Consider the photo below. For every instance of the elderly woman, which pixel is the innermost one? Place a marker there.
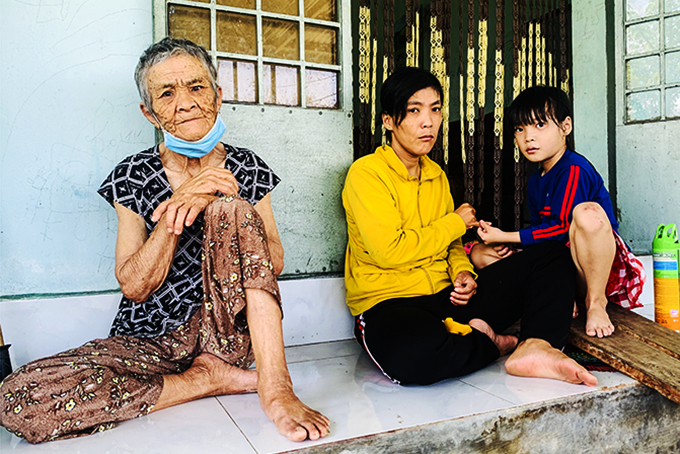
(197, 255)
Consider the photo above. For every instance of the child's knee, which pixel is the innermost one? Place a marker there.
(590, 217)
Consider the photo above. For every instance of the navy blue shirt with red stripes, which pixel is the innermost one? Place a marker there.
(553, 196)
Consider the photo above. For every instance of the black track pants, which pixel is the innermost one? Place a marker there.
(406, 338)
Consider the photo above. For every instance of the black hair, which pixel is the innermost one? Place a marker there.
(400, 86)
(541, 103)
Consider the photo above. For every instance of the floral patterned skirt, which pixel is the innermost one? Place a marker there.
(92, 387)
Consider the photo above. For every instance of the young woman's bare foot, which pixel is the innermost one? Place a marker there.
(505, 343)
(207, 376)
(597, 321)
(292, 418)
(537, 358)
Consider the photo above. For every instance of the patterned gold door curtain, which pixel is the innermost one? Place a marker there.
(484, 52)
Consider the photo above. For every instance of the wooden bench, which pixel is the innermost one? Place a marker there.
(640, 348)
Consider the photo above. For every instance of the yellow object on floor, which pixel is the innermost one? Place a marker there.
(457, 328)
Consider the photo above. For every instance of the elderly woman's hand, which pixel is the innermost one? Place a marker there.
(190, 199)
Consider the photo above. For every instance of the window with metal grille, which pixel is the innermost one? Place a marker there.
(279, 52)
(652, 60)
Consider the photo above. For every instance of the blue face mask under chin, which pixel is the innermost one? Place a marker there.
(200, 147)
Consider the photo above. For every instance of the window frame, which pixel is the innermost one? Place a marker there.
(342, 26)
(661, 52)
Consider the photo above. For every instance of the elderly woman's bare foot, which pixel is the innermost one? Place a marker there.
(505, 343)
(222, 378)
(292, 418)
(207, 376)
(537, 358)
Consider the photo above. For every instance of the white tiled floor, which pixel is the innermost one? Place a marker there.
(359, 401)
(339, 380)
(201, 426)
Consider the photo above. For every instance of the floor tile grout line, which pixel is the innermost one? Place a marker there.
(488, 392)
(321, 359)
(314, 344)
(237, 426)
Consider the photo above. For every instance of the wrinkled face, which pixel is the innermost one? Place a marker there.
(416, 134)
(543, 141)
(182, 98)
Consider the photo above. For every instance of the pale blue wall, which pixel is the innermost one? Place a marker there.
(590, 82)
(648, 166)
(69, 113)
(648, 163)
(646, 157)
(311, 151)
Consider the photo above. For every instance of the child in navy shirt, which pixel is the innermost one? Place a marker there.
(568, 203)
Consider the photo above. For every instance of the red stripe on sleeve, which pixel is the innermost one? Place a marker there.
(569, 194)
(567, 202)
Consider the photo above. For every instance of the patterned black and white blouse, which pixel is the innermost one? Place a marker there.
(140, 184)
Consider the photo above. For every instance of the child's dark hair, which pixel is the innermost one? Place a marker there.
(541, 103)
(400, 86)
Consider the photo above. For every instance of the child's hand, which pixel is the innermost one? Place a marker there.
(464, 287)
(489, 234)
(468, 213)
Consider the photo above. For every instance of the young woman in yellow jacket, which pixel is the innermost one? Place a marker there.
(422, 313)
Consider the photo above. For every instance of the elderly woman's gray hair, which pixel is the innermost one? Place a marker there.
(161, 51)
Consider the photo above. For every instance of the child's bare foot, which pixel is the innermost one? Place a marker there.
(597, 321)
(505, 343)
(292, 418)
(537, 358)
(575, 314)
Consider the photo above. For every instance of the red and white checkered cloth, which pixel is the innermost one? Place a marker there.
(626, 278)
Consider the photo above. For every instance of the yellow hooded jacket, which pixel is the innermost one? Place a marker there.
(404, 238)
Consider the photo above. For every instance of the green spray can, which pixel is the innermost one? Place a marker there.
(666, 255)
